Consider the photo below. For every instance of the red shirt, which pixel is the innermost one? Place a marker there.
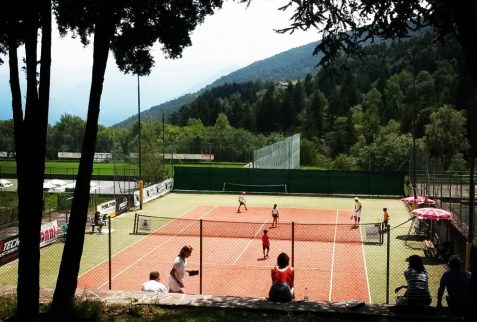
(265, 240)
(283, 276)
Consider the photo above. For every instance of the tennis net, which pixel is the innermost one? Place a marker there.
(257, 188)
(339, 233)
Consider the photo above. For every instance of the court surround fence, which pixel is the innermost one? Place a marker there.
(307, 244)
(310, 247)
(327, 182)
(451, 191)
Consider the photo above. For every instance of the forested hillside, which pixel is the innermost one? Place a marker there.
(295, 63)
(360, 112)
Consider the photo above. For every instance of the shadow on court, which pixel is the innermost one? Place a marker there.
(411, 237)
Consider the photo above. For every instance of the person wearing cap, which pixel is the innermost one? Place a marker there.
(457, 282)
(357, 211)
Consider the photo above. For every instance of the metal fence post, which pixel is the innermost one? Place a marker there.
(109, 255)
(388, 251)
(293, 244)
(200, 258)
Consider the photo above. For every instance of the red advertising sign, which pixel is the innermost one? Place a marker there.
(9, 248)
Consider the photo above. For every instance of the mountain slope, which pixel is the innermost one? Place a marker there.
(292, 64)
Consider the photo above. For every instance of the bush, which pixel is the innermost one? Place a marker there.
(8, 305)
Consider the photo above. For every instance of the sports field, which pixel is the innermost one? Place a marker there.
(336, 264)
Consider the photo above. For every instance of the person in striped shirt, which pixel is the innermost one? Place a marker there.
(417, 278)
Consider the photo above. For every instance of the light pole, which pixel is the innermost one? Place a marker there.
(139, 141)
(163, 142)
(413, 130)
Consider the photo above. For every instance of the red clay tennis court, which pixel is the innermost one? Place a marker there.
(327, 253)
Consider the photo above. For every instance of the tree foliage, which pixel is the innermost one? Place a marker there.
(348, 24)
(446, 134)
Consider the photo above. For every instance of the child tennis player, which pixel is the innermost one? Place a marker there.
(242, 202)
(385, 219)
(265, 243)
(275, 215)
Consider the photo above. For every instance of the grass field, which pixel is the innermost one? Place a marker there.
(71, 168)
(106, 169)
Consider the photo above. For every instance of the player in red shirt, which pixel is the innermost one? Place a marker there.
(283, 277)
(265, 243)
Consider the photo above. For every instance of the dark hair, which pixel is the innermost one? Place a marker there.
(385, 209)
(185, 249)
(415, 262)
(455, 262)
(154, 275)
(265, 231)
(283, 260)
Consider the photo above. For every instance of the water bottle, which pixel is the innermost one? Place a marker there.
(305, 296)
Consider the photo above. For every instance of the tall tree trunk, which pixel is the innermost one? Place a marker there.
(465, 13)
(30, 156)
(70, 262)
(472, 314)
(29, 214)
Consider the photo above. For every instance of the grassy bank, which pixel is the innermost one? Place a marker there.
(92, 310)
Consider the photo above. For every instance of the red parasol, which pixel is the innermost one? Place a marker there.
(432, 213)
(419, 200)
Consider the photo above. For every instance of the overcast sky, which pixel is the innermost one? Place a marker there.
(232, 38)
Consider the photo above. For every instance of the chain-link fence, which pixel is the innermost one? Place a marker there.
(451, 192)
(335, 262)
(450, 189)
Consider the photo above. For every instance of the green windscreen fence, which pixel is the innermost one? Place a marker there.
(288, 180)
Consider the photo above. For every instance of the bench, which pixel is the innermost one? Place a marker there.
(434, 248)
(430, 246)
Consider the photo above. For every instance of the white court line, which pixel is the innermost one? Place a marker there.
(248, 244)
(153, 249)
(137, 241)
(365, 267)
(156, 247)
(333, 256)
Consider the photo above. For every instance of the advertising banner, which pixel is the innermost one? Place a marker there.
(154, 191)
(49, 233)
(107, 207)
(113, 207)
(121, 205)
(9, 249)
